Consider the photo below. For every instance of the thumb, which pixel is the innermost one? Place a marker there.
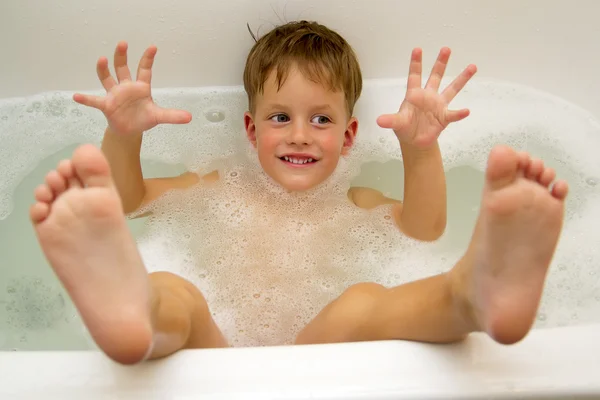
(391, 121)
(171, 116)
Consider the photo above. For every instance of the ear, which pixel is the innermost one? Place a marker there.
(350, 135)
(250, 128)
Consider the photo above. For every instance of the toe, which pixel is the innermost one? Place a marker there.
(91, 166)
(535, 170)
(524, 159)
(547, 177)
(43, 194)
(560, 190)
(39, 212)
(56, 182)
(65, 168)
(74, 182)
(502, 167)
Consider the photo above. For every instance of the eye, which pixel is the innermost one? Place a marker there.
(321, 120)
(280, 118)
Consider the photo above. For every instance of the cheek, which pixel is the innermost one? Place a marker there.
(332, 142)
(266, 141)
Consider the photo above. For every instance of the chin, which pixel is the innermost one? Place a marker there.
(293, 185)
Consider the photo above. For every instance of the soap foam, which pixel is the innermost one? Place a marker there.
(268, 261)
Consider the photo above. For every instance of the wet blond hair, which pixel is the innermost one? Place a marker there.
(320, 54)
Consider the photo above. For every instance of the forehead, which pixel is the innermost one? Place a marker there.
(296, 87)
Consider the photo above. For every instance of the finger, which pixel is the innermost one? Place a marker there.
(144, 72)
(121, 68)
(456, 115)
(170, 116)
(104, 74)
(438, 70)
(414, 71)
(89, 100)
(391, 121)
(457, 84)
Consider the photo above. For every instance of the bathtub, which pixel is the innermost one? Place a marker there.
(550, 45)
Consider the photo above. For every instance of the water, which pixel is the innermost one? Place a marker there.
(36, 313)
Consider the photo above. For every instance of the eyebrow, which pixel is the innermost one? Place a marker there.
(323, 107)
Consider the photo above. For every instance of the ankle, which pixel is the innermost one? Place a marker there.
(462, 296)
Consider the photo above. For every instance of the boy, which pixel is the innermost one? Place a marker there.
(302, 81)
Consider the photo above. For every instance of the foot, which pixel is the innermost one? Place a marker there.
(503, 271)
(80, 225)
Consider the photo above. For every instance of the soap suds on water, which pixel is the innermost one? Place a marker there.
(268, 261)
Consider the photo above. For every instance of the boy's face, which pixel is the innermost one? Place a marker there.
(300, 131)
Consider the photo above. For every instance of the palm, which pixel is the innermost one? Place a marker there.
(128, 104)
(129, 108)
(424, 112)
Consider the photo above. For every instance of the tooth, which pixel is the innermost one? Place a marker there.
(310, 160)
(286, 158)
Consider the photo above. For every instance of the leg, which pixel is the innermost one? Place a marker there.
(79, 222)
(497, 285)
(180, 317)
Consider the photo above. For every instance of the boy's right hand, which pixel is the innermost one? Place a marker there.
(128, 104)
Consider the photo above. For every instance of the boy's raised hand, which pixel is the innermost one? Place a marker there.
(128, 104)
(424, 112)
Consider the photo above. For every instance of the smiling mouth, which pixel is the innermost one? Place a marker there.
(298, 160)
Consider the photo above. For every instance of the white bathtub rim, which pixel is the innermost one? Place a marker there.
(549, 363)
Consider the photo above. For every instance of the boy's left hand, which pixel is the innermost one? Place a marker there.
(424, 112)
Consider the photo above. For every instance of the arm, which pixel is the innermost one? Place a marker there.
(422, 117)
(423, 214)
(123, 155)
(130, 111)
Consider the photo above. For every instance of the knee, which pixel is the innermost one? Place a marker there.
(177, 284)
(362, 295)
(355, 307)
(364, 292)
(178, 288)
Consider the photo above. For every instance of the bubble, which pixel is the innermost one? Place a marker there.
(215, 115)
(541, 317)
(34, 304)
(591, 181)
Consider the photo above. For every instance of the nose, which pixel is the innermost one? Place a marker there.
(299, 134)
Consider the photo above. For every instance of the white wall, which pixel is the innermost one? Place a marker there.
(548, 44)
